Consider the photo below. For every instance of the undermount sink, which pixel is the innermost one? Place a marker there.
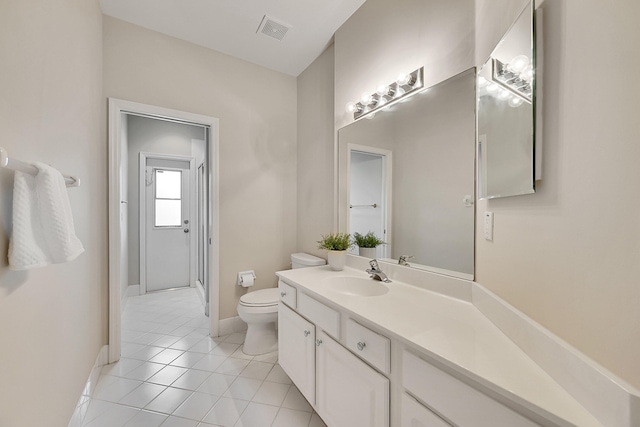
(356, 286)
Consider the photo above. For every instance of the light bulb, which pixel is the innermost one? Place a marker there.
(350, 107)
(492, 88)
(518, 63)
(366, 98)
(515, 101)
(382, 90)
(527, 73)
(504, 94)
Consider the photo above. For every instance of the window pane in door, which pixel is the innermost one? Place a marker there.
(168, 184)
(168, 213)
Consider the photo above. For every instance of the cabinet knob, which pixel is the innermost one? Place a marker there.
(361, 345)
(318, 342)
(306, 333)
(283, 294)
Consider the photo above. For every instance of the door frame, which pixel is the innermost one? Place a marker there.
(142, 215)
(117, 109)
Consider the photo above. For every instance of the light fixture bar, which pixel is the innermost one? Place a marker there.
(513, 82)
(385, 96)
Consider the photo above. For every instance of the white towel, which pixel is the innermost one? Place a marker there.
(43, 231)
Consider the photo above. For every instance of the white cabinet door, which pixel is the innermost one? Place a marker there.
(296, 350)
(350, 393)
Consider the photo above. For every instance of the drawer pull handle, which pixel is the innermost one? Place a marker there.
(283, 294)
(306, 333)
(361, 345)
(318, 342)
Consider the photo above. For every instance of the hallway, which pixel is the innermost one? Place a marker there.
(172, 374)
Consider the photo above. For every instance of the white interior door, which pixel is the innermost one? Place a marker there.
(167, 224)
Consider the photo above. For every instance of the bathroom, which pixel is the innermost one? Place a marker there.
(565, 256)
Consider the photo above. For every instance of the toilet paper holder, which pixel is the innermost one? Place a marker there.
(246, 278)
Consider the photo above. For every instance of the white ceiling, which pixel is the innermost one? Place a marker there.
(230, 26)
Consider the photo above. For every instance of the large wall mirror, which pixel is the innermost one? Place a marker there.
(407, 174)
(506, 114)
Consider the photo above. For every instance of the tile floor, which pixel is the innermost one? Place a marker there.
(172, 374)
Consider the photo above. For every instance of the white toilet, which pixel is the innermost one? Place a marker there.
(259, 310)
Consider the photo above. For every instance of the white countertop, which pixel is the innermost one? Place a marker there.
(454, 333)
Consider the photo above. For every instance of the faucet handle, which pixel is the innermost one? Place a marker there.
(403, 259)
(374, 264)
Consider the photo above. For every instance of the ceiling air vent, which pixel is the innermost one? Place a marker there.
(272, 28)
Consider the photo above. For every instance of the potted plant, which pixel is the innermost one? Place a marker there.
(336, 245)
(367, 244)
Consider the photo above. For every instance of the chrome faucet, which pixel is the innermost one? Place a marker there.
(403, 260)
(376, 273)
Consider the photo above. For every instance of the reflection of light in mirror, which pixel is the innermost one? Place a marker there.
(482, 82)
(371, 116)
(515, 101)
(527, 73)
(504, 94)
(518, 63)
(399, 92)
(492, 88)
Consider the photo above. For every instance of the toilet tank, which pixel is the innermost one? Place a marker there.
(301, 260)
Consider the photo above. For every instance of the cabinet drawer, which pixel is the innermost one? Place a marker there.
(456, 401)
(287, 294)
(415, 415)
(326, 318)
(369, 345)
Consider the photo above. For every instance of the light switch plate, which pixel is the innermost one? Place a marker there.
(488, 226)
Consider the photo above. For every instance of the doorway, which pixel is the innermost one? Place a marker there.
(369, 194)
(177, 192)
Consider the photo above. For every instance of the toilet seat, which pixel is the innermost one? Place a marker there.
(261, 298)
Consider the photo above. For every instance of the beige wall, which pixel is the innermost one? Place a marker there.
(315, 153)
(257, 112)
(53, 320)
(568, 256)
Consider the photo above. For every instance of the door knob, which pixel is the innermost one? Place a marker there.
(186, 230)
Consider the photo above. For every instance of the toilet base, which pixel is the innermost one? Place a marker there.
(261, 338)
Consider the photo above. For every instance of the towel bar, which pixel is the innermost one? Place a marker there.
(11, 163)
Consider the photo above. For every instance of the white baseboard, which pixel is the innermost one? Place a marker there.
(90, 386)
(132, 291)
(231, 325)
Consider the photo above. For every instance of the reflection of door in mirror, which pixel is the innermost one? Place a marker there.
(369, 193)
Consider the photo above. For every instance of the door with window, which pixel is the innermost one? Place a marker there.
(167, 223)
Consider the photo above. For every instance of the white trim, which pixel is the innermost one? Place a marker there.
(231, 325)
(117, 108)
(83, 402)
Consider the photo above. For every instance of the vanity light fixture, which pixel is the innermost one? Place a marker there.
(514, 77)
(387, 95)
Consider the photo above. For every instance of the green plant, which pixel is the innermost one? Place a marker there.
(335, 242)
(369, 240)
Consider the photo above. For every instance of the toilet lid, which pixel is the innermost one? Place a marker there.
(261, 298)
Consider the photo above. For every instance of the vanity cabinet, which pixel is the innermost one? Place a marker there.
(459, 403)
(297, 351)
(342, 388)
(350, 393)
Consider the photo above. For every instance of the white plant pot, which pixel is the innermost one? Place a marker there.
(337, 259)
(367, 252)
